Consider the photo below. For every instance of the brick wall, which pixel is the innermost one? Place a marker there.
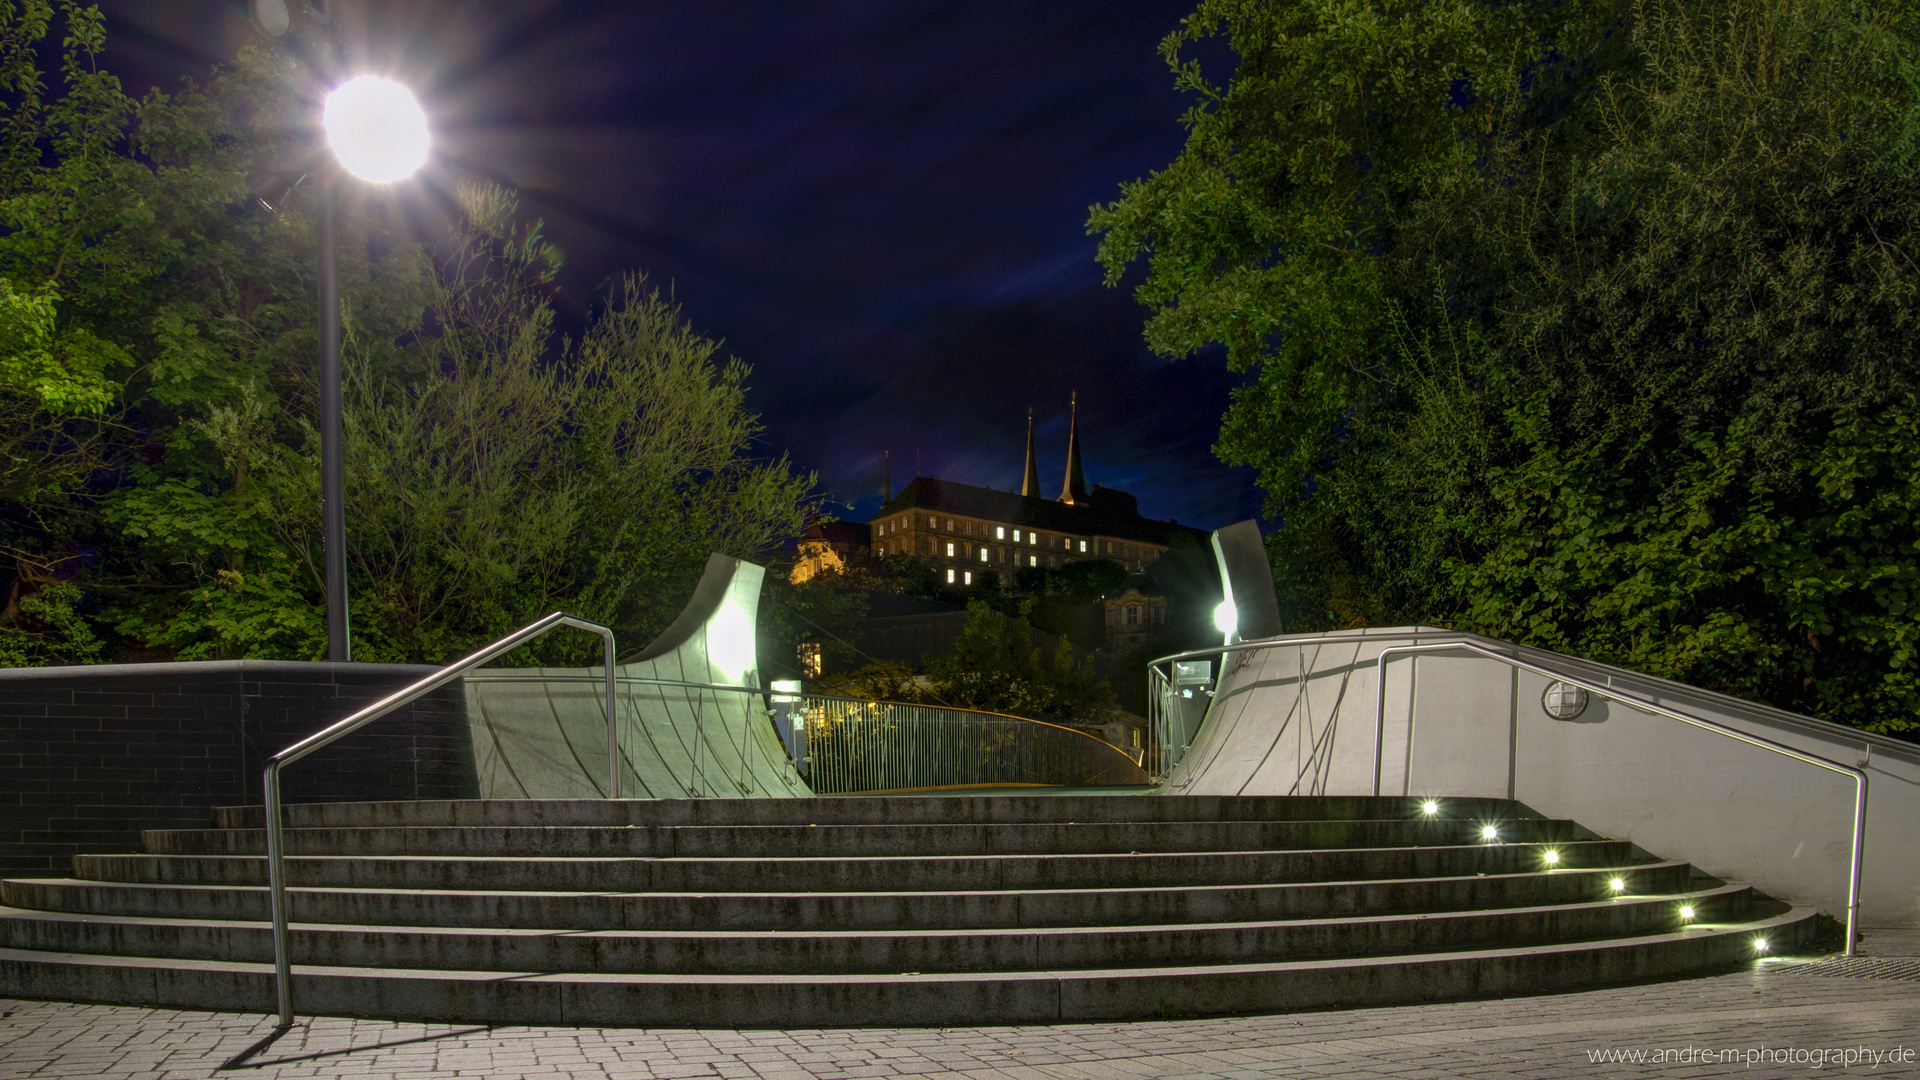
(90, 756)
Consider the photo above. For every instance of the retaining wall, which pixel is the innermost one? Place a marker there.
(89, 756)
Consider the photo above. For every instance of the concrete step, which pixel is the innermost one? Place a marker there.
(791, 911)
(868, 951)
(850, 841)
(904, 998)
(872, 910)
(868, 810)
(940, 873)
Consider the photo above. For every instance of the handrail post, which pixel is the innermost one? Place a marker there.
(277, 897)
(613, 740)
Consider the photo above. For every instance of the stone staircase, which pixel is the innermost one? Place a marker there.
(859, 911)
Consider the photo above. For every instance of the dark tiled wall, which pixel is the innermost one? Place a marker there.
(90, 756)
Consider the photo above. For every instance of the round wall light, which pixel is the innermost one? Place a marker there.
(1563, 701)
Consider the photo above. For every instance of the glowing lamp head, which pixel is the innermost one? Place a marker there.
(1760, 945)
(376, 128)
(1430, 808)
(1686, 913)
(1489, 832)
(1551, 858)
(730, 641)
(1617, 884)
(1225, 618)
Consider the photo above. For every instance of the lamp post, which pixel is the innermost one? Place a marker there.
(378, 132)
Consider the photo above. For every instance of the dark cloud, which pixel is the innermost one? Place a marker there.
(880, 206)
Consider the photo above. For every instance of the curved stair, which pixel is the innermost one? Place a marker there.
(896, 911)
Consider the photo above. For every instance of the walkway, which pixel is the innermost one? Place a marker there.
(1781, 1014)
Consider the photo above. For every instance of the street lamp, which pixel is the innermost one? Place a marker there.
(377, 132)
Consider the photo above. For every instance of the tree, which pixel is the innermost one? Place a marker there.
(158, 471)
(995, 667)
(503, 483)
(1584, 325)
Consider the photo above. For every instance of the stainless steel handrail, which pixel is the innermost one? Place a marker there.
(276, 870)
(1859, 775)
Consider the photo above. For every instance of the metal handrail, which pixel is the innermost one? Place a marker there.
(276, 870)
(1859, 775)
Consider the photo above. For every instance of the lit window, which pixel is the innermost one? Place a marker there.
(1016, 536)
(949, 577)
(949, 551)
(949, 524)
(968, 576)
(999, 532)
(983, 554)
(1033, 560)
(1083, 547)
(1033, 538)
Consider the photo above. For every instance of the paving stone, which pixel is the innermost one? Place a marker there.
(1540, 1038)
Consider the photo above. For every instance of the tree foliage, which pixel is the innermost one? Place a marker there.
(158, 328)
(995, 667)
(1587, 325)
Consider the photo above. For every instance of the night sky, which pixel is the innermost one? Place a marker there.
(880, 206)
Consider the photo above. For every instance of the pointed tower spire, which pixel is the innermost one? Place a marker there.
(1074, 490)
(1030, 481)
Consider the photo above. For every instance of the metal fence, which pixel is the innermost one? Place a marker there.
(855, 745)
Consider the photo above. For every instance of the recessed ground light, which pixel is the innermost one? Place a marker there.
(1760, 944)
(1429, 808)
(1617, 885)
(1489, 832)
(1551, 858)
(1686, 913)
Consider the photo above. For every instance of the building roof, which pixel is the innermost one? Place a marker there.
(841, 533)
(1106, 512)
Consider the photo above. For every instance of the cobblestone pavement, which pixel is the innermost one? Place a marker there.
(1790, 1022)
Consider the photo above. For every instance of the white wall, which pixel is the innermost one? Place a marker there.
(1297, 717)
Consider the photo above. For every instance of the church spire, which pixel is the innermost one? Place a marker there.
(1030, 482)
(1074, 489)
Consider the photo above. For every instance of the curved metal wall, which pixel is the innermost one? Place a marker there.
(540, 733)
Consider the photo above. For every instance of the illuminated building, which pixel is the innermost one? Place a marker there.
(965, 532)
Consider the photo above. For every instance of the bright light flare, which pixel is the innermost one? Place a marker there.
(376, 128)
(730, 641)
(1760, 945)
(1225, 618)
(1430, 808)
(1617, 885)
(1489, 832)
(1551, 858)
(1686, 913)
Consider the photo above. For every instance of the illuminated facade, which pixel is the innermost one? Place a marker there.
(963, 531)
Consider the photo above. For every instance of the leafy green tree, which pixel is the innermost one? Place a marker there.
(503, 484)
(995, 667)
(157, 336)
(1616, 351)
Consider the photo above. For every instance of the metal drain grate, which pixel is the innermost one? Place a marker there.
(1862, 967)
